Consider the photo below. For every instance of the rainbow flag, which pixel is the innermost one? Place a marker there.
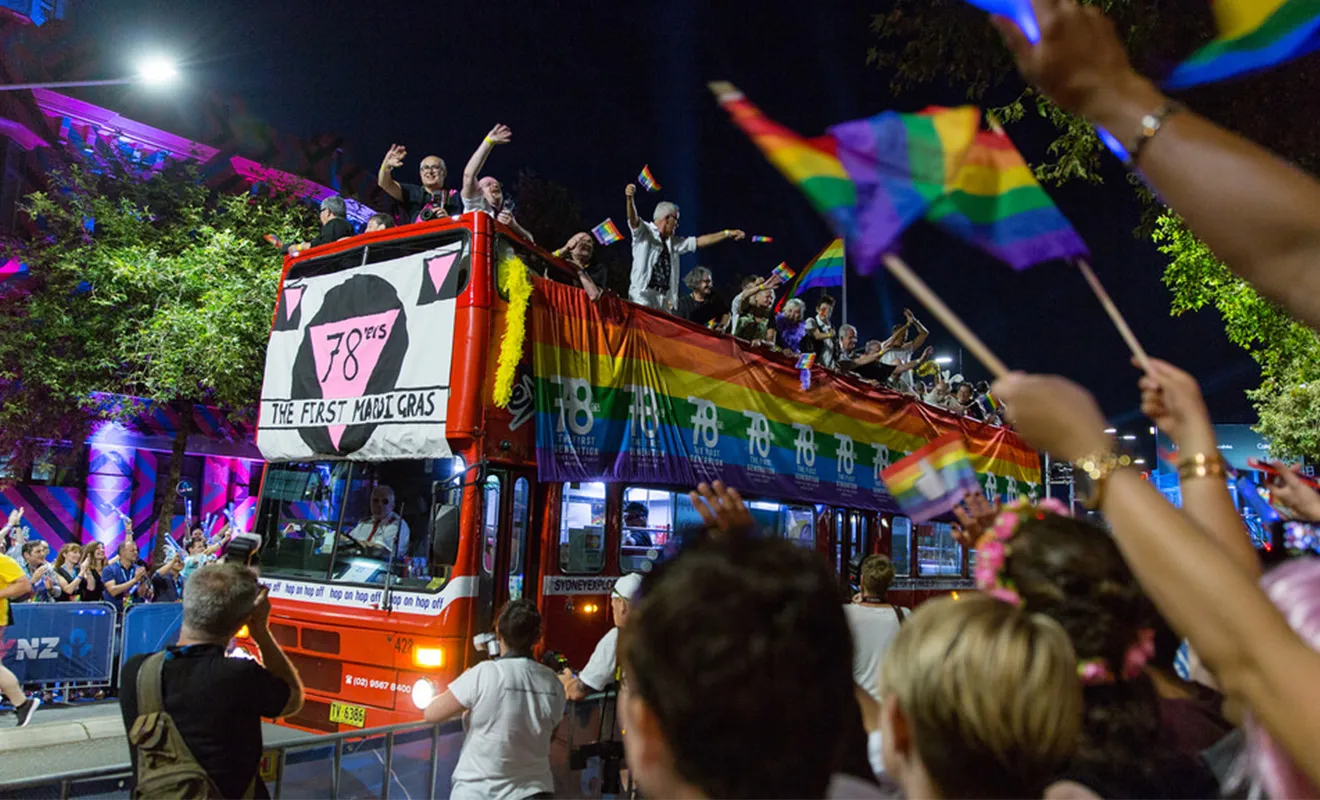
(606, 233)
(823, 271)
(783, 272)
(933, 480)
(996, 204)
(1253, 35)
(762, 239)
(1019, 11)
(806, 361)
(624, 393)
(869, 178)
(648, 180)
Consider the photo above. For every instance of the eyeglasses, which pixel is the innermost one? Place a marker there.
(433, 169)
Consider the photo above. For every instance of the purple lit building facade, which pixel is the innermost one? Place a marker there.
(121, 469)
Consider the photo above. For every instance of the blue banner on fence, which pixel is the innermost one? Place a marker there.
(55, 642)
(151, 627)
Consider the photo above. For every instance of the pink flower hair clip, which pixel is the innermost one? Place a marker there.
(993, 549)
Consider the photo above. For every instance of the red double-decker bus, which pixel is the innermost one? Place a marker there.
(401, 505)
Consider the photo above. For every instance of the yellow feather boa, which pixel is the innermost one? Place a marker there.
(512, 276)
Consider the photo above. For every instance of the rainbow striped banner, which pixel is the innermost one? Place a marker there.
(933, 480)
(626, 394)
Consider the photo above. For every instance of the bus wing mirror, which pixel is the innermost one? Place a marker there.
(444, 534)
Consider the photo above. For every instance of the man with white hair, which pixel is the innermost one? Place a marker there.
(656, 250)
(215, 703)
(487, 194)
(334, 225)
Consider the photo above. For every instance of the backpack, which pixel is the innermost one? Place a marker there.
(165, 766)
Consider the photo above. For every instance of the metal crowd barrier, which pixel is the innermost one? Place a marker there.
(409, 760)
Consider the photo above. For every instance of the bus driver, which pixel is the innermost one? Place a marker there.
(384, 531)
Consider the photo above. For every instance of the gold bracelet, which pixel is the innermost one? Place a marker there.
(1202, 465)
(1098, 467)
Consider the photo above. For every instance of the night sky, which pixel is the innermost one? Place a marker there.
(593, 91)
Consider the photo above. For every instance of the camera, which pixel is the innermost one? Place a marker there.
(431, 212)
(555, 660)
(243, 549)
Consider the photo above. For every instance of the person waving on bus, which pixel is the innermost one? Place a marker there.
(603, 666)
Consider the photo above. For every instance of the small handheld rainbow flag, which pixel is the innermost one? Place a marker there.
(933, 480)
(648, 180)
(1019, 11)
(762, 239)
(995, 203)
(782, 272)
(274, 240)
(1253, 35)
(823, 271)
(606, 233)
(806, 361)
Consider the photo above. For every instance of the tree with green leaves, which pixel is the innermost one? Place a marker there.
(144, 283)
(923, 42)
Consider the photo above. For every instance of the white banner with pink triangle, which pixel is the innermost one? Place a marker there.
(358, 361)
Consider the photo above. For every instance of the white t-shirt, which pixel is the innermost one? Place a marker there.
(478, 203)
(646, 247)
(826, 349)
(515, 704)
(897, 357)
(599, 671)
(873, 630)
(383, 534)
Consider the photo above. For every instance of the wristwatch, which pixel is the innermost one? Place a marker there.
(1092, 473)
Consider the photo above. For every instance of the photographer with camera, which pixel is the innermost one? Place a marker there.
(425, 202)
(180, 737)
(515, 704)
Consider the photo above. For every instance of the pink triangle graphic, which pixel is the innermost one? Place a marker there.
(345, 353)
(438, 269)
(293, 295)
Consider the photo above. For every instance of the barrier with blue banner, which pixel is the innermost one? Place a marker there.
(60, 642)
(151, 627)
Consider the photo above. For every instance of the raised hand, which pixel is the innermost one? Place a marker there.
(505, 218)
(500, 134)
(1289, 490)
(927, 353)
(14, 516)
(260, 616)
(1079, 62)
(737, 235)
(1053, 414)
(1172, 399)
(722, 508)
(395, 155)
(975, 515)
(630, 189)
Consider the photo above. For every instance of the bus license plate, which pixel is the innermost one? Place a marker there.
(345, 714)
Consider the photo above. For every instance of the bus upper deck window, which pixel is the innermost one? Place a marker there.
(582, 529)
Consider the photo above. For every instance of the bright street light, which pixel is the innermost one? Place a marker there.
(1111, 430)
(154, 71)
(157, 70)
(1127, 437)
(944, 359)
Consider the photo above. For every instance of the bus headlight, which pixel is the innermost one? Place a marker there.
(423, 692)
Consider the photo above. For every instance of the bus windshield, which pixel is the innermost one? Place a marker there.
(356, 522)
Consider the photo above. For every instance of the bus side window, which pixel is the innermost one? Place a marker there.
(900, 546)
(798, 524)
(582, 529)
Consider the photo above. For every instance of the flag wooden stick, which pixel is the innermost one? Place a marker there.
(944, 314)
(1114, 314)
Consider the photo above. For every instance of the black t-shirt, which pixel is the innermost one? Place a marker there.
(217, 704)
(334, 230)
(874, 371)
(415, 198)
(93, 589)
(689, 308)
(165, 589)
